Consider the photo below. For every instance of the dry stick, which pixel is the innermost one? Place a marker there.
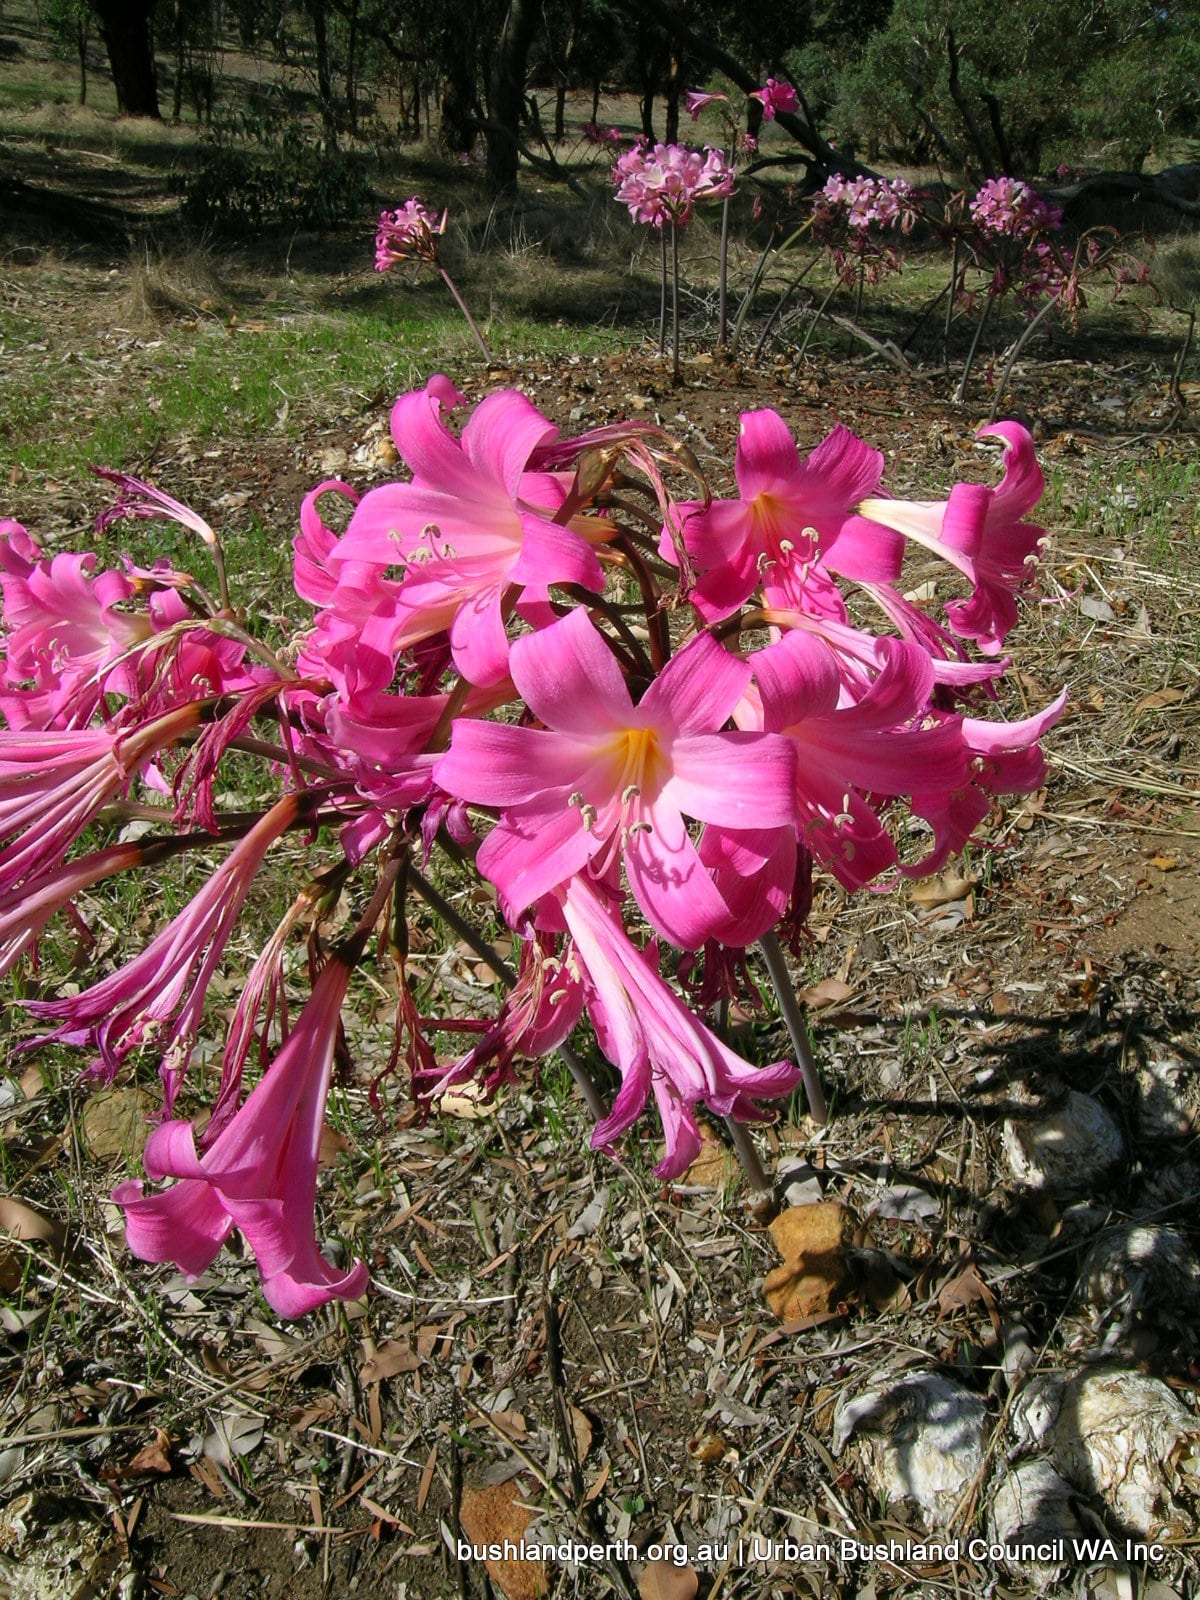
(793, 1015)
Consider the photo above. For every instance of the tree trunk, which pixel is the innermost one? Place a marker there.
(459, 92)
(352, 70)
(506, 98)
(125, 27)
(560, 112)
(316, 12)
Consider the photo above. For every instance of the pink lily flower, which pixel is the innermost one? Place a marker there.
(856, 736)
(63, 633)
(259, 1175)
(980, 531)
(606, 780)
(656, 1042)
(774, 97)
(537, 1016)
(794, 518)
(409, 234)
(1004, 759)
(160, 994)
(473, 524)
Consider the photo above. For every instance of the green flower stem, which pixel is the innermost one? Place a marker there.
(793, 1015)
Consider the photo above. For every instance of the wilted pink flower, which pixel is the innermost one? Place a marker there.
(980, 531)
(259, 1175)
(794, 518)
(657, 1043)
(141, 499)
(158, 997)
(775, 97)
(408, 234)
(595, 134)
(697, 100)
(606, 781)
(52, 785)
(25, 910)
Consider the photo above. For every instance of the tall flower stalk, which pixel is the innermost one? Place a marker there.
(411, 233)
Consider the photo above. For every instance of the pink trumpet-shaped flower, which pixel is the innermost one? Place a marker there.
(473, 522)
(259, 1175)
(980, 531)
(159, 995)
(774, 97)
(794, 518)
(655, 1041)
(606, 780)
(408, 234)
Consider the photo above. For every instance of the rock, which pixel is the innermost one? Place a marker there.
(813, 1241)
(1124, 1437)
(1032, 1505)
(1147, 1274)
(1066, 1151)
(920, 1441)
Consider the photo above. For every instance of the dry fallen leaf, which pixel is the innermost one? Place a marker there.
(581, 1431)
(707, 1447)
(490, 1515)
(712, 1167)
(393, 1356)
(1164, 863)
(812, 1241)
(829, 992)
(116, 1122)
(945, 888)
(25, 1223)
(663, 1580)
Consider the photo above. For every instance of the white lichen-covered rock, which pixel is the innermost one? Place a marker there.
(1166, 1099)
(1065, 1151)
(1031, 1507)
(920, 1442)
(1146, 1272)
(1124, 1438)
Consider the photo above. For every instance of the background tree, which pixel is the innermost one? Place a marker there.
(127, 28)
(1024, 87)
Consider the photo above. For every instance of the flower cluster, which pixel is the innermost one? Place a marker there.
(637, 797)
(662, 183)
(1008, 206)
(410, 233)
(889, 203)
